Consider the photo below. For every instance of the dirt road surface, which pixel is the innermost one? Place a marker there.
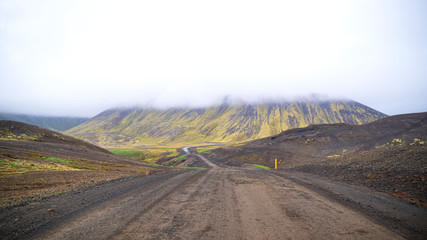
(206, 161)
(215, 203)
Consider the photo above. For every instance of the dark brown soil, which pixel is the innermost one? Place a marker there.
(37, 162)
(21, 131)
(399, 170)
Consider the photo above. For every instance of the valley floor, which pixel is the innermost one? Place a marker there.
(217, 203)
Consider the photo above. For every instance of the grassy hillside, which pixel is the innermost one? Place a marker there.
(223, 123)
(53, 123)
(37, 162)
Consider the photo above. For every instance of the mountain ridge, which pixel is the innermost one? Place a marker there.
(60, 124)
(222, 123)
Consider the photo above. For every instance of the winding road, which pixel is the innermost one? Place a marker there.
(205, 160)
(214, 203)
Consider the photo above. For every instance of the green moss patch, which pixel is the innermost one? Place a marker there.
(261, 166)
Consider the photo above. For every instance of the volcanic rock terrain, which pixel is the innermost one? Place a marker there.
(388, 155)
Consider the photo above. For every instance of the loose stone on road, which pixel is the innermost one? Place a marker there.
(221, 203)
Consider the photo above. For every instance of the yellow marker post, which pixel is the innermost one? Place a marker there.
(275, 164)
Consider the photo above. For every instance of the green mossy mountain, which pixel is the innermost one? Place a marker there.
(59, 124)
(220, 124)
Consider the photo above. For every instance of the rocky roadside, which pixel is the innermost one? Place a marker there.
(400, 171)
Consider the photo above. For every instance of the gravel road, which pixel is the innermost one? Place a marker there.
(216, 203)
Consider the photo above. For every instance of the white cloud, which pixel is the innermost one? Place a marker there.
(90, 55)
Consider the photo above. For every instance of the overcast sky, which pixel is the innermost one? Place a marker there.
(78, 58)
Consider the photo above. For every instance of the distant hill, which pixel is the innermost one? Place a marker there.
(18, 131)
(300, 146)
(388, 155)
(37, 162)
(53, 123)
(223, 123)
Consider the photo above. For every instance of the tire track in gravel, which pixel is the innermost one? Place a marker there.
(250, 204)
(105, 219)
(205, 209)
(22, 222)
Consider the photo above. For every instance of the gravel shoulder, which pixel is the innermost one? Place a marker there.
(397, 214)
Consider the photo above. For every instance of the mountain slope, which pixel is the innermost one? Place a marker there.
(388, 155)
(224, 123)
(18, 131)
(37, 162)
(296, 147)
(53, 123)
